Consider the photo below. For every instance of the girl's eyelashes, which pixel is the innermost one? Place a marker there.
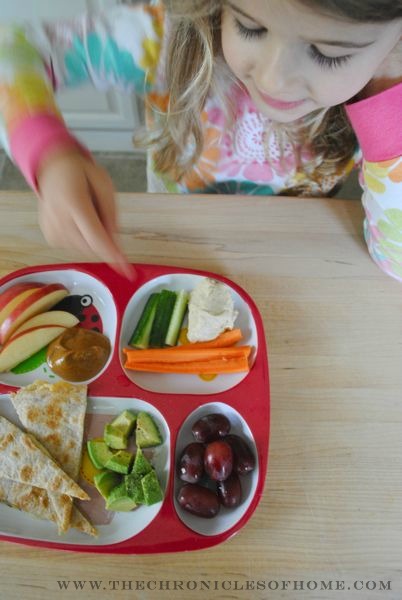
(328, 62)
(248, 33)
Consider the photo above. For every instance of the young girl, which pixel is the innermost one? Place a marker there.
(264, 97)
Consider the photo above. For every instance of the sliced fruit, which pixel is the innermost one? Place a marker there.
(141, 465)
(114, 437)
(15, 300)
(151, 488)
(26, 344)
(119, 499)
(146, 433)
(13, 291)
(38, 301)
(120, 462)
(99, 453)
(125, 421)
(50, 317)
(134, 488)
(106, 481)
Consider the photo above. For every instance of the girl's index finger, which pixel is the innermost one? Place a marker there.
(101, 242)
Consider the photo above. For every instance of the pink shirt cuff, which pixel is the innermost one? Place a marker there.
(378, 124)
(32, 139)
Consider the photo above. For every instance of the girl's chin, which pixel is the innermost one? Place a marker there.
(286, 116)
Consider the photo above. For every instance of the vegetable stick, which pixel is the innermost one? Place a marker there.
(228, 338)
(185, 354)
(232, 365)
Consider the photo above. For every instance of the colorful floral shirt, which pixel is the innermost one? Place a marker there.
(123, 47)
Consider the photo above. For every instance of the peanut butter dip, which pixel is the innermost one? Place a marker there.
(78, 354)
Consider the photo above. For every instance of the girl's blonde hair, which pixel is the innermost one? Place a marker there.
(195, 66)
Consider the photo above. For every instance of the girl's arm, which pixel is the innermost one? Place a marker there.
(377, 120)
(76, 197)
(119, 48)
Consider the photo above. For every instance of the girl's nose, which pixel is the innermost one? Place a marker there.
(278, 71)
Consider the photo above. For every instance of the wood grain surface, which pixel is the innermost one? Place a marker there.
(332, 506)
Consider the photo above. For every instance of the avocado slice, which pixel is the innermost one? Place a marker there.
(134, 488)
(125, 421)
(117, 432)
(141, 465)
(119, 500)
(120, 462)
(146, 433)
(114, 437)
(106, 481)
(151, 488)
(99, 453)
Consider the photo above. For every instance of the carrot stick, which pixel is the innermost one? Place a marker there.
(227, 338)
(232, 365)
(181, 354)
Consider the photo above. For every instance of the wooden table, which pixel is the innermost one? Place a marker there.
(332, 507)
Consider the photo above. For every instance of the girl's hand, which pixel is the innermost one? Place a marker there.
(388, 74)
(77, 208)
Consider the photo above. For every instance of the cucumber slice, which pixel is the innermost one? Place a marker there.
(164, 310)
(140, 337)
(176, 320)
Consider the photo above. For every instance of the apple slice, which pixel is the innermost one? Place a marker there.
(51, 317)
(39, 301)
(25, 344)
(13, 291)
(13, 300)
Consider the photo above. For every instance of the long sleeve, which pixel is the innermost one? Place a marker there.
(119, 47)
(378, 125)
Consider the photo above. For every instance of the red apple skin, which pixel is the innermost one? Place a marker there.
(13, 291)
(16, 301)
(57, 318)
(18, 335)
(10, 357)
(16, 317)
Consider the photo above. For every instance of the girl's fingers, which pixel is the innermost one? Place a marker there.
(103, 194)
(99, 240)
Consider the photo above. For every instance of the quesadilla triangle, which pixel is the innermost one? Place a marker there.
(54, 413)
(22, 460)
(35, 501)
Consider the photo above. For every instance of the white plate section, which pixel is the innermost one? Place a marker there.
(168, 383)
(123, 525)
(226, 518)
(80, 283)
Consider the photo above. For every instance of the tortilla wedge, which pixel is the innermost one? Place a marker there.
(35, 501)
(22, 460)
(54, 413)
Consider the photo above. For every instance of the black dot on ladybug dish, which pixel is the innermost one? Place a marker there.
(81, 317)
(95, 318)
(96, 329)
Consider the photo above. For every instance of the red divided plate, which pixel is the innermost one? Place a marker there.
(104, 300)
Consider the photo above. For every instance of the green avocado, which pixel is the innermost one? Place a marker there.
(119, 500)
(117, 432)
(120, 462)
(125, 421)
(141, 465)
(134, 488)
(105, 482)
(114, 437)
(146, 433)
(99, 453)
(151, 488)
